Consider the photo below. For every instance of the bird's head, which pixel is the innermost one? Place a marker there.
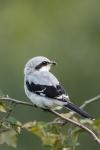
(38, 63)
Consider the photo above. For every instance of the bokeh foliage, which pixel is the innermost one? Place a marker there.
(52, 134)
(67, 31)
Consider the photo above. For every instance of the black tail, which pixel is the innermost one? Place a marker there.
(76, 109)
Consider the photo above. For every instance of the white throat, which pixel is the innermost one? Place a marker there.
(45, 68)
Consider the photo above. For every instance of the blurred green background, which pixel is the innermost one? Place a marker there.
(66, 31)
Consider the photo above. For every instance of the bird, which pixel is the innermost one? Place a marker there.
(43, 88)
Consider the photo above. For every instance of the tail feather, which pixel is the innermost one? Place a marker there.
(76, 109)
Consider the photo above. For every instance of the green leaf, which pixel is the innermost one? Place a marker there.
(9, 137)
(96, 124)
(15, 124)
(48, 137)
(2, 108)
(13, 121)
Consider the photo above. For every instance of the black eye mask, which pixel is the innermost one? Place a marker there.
(44, 63)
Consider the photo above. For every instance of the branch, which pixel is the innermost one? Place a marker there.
(60, 115)
(87, 102)
(12, 100)
(90, 101)
(77, 124)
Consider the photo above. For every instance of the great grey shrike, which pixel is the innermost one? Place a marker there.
(44, 89)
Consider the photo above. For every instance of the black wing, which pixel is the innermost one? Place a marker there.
(45, 90)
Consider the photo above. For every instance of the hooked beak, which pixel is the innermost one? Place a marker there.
(53, 63)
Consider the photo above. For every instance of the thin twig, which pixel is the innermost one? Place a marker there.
(90, 101)
(77, 124)
(9, 99)
(87, 102)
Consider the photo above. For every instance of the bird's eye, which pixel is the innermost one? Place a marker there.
(44, 62)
